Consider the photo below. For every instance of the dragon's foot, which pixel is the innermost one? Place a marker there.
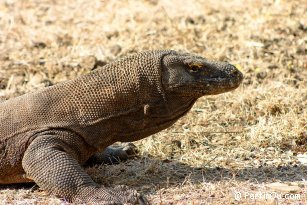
(113, 154)
(108, 196)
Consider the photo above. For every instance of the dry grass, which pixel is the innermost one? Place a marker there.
(238, 141)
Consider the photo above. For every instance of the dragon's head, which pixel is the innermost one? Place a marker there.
(191, 75)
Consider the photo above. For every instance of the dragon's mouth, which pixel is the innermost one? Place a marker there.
(211, 82)
(209, 86)
(227, 81)
(225, 84)
(222, 81)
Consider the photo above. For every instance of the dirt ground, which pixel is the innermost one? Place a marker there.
(248, 146)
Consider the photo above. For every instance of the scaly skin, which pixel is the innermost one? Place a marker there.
(46, 136)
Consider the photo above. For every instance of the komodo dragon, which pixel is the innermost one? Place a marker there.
(45, 136)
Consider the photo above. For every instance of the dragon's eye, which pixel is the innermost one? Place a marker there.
(193, 68)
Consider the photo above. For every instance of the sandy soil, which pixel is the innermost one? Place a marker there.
(250, 143)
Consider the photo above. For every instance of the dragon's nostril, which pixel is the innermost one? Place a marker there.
(234, 70)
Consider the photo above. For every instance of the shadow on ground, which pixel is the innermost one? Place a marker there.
(149, 174)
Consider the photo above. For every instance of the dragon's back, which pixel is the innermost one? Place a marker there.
(119, 88)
